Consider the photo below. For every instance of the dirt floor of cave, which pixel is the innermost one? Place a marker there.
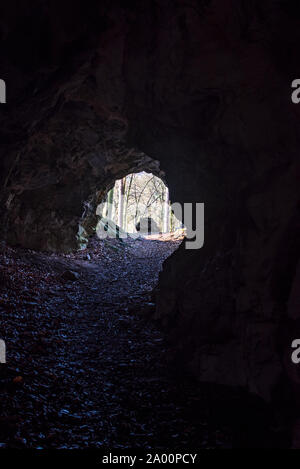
(86, 366)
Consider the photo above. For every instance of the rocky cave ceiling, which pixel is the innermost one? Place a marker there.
(188, 90)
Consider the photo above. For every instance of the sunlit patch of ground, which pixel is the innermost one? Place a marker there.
(176, 236)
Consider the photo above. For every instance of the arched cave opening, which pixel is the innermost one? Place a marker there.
(127, 234)
(198, 94)
(137, 206)
(139, 203)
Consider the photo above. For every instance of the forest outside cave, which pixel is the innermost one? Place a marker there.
(138, 204)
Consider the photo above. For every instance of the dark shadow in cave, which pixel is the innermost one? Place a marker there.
(93, 366)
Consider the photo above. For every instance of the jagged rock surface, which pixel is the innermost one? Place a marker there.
(198, 93)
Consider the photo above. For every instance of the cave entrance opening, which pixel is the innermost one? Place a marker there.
(138, 205)
(135, 230)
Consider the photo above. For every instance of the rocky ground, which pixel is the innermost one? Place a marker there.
(85, 365)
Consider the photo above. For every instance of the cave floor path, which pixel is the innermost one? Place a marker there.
(86, 367)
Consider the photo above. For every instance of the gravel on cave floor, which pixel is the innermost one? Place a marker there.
(86, 367)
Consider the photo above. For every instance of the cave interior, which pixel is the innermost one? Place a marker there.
(198, 94)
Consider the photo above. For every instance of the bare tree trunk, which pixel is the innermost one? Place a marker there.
(126, 202)
(172, 222)
(110, 201)
(166, 211)
(121, 203)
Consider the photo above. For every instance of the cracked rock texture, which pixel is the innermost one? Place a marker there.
(197, 92)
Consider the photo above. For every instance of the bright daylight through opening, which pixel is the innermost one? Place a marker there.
(138, 205)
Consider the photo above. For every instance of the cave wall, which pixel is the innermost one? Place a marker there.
(198, 92)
